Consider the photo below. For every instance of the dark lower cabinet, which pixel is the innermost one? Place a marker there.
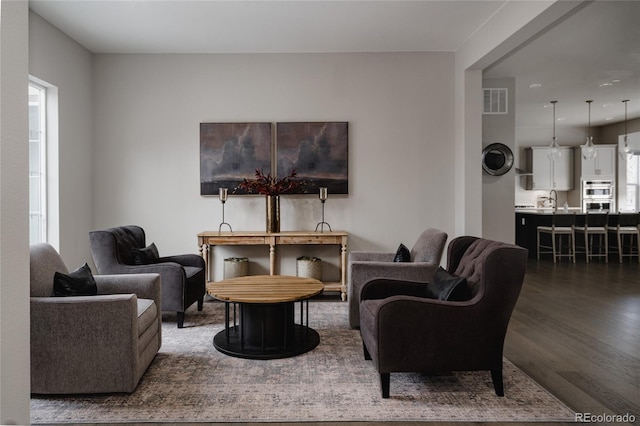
(526, 230)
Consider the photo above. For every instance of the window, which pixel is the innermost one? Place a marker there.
(37, 164)
(633, 183)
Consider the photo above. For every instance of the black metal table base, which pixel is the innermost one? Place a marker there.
(265, 331)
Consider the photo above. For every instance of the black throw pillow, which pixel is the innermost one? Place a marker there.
(77, 283)
(402, 254)
(145, 255)
(445, 286)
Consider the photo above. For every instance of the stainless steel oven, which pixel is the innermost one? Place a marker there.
(598, 195)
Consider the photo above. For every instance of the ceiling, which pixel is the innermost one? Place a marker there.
(598, 44)
(594, 54)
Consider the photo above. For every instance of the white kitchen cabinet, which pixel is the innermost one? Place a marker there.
(602, 165)
(547, 174)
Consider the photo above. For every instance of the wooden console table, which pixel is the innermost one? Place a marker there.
(209, 239)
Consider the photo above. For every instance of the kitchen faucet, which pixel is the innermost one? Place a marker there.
(553, 198)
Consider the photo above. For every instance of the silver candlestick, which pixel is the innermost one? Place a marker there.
(323, 197)
(223, 194)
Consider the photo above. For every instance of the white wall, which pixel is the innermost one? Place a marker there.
(400, 112)
(14, 228)
(60, 61)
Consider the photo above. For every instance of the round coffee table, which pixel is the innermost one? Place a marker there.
(263, 325)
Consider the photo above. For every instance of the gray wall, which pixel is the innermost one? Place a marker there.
(60, 61)
(498, 193)
(400, 112)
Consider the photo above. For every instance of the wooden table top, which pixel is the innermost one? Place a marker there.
(265, 289)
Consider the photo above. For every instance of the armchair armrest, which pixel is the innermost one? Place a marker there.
(169, 271)
(104, 326)
(383, 288)
(406, 271)
(144, 286)
(184, 260)
(370, 256)
(422, 325)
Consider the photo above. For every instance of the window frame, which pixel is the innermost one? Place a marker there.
(40, 174)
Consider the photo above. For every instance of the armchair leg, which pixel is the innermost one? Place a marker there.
(180, 319)
(200, 303)
(367, 355)
(496, 377)
(385, 381)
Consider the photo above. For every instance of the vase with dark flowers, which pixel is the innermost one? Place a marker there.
(271, 187)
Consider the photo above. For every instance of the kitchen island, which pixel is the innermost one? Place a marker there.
(528, 220)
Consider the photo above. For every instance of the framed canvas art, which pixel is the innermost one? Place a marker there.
(318, 151)
(230, 152)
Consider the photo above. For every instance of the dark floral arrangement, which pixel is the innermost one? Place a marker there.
(269, 185)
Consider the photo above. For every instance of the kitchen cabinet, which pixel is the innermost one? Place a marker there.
(548, 174)
(602, 165)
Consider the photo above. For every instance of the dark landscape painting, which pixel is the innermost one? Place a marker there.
(230, 152)
(317, 151)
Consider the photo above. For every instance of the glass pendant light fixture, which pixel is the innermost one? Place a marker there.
(625, 147)
(553, 152)
(588, 150)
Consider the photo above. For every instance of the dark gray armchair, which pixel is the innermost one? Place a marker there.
(426, 254)
(404, 331)
(91, 344)
(182, 276)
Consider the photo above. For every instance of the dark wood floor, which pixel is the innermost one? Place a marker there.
(576, 331)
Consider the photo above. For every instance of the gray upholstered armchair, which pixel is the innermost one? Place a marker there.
(426, 254)
(404, 331)
(114, 251)
(91, 344)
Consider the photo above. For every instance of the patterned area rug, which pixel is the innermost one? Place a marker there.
(190, 381)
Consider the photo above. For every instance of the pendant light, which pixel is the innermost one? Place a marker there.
(588, 150)
(553, 152)
(625, 147)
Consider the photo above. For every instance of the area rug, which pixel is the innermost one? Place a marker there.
(190, 381)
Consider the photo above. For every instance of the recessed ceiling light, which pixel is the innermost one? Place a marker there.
(562, 118)
(616, 81)
(535, 85)
(605, 84)
(608, 119)
(607, 105)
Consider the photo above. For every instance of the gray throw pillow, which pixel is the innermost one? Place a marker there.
(146, 255)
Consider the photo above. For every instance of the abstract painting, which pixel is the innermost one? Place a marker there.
(318, 151)
(230, 152)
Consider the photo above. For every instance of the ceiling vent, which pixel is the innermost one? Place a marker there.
(495, 101)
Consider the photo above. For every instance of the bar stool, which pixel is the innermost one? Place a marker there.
(626, 224)
(595, 224)
(561, 225)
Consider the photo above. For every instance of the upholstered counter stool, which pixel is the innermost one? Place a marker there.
(561, 225)
(595, 225)
(621, 226)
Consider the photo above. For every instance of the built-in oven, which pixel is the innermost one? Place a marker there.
(597, 206)
(598, 195)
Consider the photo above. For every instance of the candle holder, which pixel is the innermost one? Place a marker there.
(323, 197)
(223, 194)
